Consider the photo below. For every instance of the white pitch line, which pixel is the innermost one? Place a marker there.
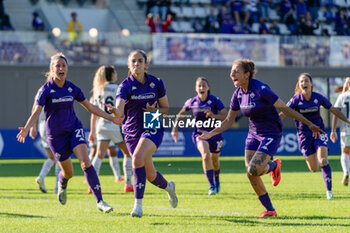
(130, 206)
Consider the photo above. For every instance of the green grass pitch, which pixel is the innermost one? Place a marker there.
(300, 200)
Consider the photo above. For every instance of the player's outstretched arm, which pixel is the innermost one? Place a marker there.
(21, 136)
(225, 124)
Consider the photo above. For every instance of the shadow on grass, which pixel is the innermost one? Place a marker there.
(11, 215)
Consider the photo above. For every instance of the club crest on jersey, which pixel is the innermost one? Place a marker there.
(315, 101)
(252, 95)
(209, 102)
(152, 85)
(70, 89)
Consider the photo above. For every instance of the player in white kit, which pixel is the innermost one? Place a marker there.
(104, 92)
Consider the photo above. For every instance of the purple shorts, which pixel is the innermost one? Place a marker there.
(308, 145)
(215, 143)
(62, 145)
(156, 136)
(267, 144)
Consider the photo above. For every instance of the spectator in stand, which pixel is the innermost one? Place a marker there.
(5, 24)
(301, 10)
(37, 23)
(74, 28)
(236, 9)
(152, 7)
(211, 23)
(313, 6)
(286, 12)
(264, 7)
(341, 23)
(222, 15)
(181, 1)
(274, 28)
(328, 15)
(307, 27)
(245, 29)
(196, 25)
(250, 11)
(164, 7)
(263, 29)
(156, 25)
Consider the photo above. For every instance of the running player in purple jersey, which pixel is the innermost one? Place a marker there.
(137, 94)
(64, 131)
(258, 102)
(205, 107)
(315, 150)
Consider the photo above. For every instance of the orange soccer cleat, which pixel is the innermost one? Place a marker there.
(268, 213)
(118, 180)
(128, 188)
(276, 174)
(89, 190)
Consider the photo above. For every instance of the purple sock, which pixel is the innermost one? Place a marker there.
(266, 202)
(63, 181)
(159, 181)
(139, 182)
(216, 174)
(210, 177)
(327, 176)
(272, 166)
(94, 182)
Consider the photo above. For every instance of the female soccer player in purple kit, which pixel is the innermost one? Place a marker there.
(65, 133)
(315, 150)
(204, 107)
(258, 102)
(139, 93)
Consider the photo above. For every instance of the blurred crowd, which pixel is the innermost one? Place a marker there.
(298, 17)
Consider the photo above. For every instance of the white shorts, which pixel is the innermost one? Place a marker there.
(345, 141)
(111, 144)
(107, 135)
(42, 132)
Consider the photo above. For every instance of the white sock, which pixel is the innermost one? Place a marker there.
(114, 163)
(91, 158)
(97, 164)
(127, 167)
(344, 160)
(46, 168)
(138, 202)
(57, 171)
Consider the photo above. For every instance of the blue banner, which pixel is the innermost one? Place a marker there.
(234, 145)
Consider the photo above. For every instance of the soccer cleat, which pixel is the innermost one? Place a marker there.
(268, 213)
(212, 190)
(85, 181)
(89, 190)
(62, 194)
(119, 180)
(104, 207)
(171, 194)
(41, 184)
(217, 186)
(128, 188)
(137, 211)
(276, 174)
(329, 195)
(345, 180)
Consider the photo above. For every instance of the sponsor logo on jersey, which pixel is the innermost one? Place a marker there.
(143, 96)
(307, 110)
(63, 99)
(248, 106)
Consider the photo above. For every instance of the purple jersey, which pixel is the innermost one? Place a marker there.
(136, 96)
(198, 107)
(257, 104)
(58, 107)
(310, 109)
